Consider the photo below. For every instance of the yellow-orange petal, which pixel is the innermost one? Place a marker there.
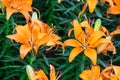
(102, 47)
(71, 42)
(29, 2)
(95, 36)
(91, 53)
(40, 75)
(99, 42)
(77, 28)
(74, 53)
(115, 32)
(113, 77)
(117, 2)
(86, 75)
(92, 4)
(24, 49)
(111, 47)
(113, 10)
(95, 72)
(117, 71)
(52, 73)
(43, 38)
(9, 12)
(6, 3)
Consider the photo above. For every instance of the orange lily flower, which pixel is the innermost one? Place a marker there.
(91, 5)
(14, 6)
(86, 40)
(114, 8)
(33, 35)
(93, 74)
(30, 37)
(109, 73)
(108, 46)
(53, 39)
(40, 75)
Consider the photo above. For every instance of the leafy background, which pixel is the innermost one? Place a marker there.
(12, 67)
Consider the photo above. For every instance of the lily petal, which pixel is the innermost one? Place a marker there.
(71, 42)
(113, 10)
(96, 71)
(29, 2)
(95, 36)
(9, 12)
(40, 75)
(91, 53)
(24, 49)
(117, 71)
(92, 4)
(52, 73)
(100, 41)
(115, 32)
(117, 2)
(86, 75)
(6, 3)
(74, 53)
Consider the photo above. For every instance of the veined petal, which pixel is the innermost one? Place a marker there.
(52, 73)
(95, 36)
(114, 10)
(42, 40)
(100, 41)
(95, 72)
(77, 28)
(6, 3)
(71, 42)
(22, 35)
(40, 75)
(35, 30)
(113, 77)
(92, 4)
(117, 2)
(86, 75)
(115, 32)
(110, 47)
(9, 11)
(104, 30)
(24, 49)
(102, 47)
(29, 2)
(91, 53)
(117, 71)
(74, 53)
(85, 24)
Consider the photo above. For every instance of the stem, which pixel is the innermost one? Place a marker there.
(33, 57)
